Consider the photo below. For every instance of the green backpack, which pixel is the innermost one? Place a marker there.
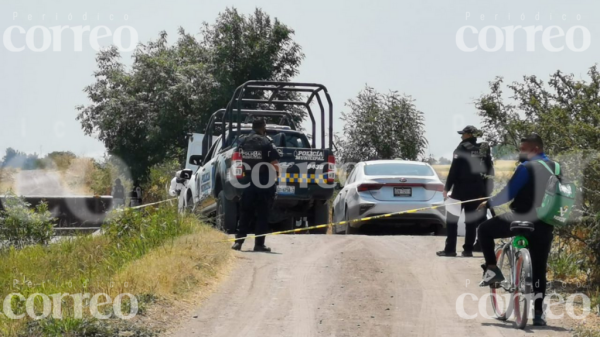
(558, 201)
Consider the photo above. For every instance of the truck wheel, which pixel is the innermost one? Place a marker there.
(285, 225)
(319, 216)
(226, 219)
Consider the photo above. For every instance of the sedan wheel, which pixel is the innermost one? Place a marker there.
(349, 229)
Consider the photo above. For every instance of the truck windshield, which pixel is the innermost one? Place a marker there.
(282, 139)
(397, 169)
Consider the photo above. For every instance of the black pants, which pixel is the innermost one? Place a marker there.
(254, 208)
(472, 219)
(540, 242)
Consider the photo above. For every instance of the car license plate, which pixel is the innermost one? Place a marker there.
(286, 189)
(402, 191)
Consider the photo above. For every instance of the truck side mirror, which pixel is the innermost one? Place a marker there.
(186, 174)
(338, 186)
(196, 159)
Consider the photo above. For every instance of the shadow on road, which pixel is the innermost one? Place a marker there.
(394, 229)
(528, 329)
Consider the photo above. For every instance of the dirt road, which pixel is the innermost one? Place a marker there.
(350, 286)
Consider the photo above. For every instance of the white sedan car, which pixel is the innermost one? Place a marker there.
(388, 186)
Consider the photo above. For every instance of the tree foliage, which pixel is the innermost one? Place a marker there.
(444, 161)
(381, 126)
(21, 225)
(17, 159)
(565, 112)
(143, 114)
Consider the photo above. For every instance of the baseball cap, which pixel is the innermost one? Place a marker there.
(469, 129)
(533, 138)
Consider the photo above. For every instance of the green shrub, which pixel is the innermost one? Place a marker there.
(159, 179)
(86, 327)
(134, 232)
(21, 226)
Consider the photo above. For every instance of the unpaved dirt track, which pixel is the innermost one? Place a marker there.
(333, 285)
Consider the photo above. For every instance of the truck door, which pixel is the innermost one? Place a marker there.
(207, 174)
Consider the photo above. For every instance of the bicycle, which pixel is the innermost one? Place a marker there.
(514, 261)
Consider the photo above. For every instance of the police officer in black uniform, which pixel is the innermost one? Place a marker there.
(469, 178)
(118, 194)
(257, 148)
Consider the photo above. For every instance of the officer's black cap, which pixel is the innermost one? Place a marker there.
(533, 138)
(258, 123)
(469, 129)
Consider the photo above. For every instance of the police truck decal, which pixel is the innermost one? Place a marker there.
(309, 155)
(251, 154)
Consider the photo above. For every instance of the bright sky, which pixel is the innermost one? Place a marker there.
(408, 46)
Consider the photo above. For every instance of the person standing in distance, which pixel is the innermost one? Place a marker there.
(118, 194)
(468, 179)
(257, 149)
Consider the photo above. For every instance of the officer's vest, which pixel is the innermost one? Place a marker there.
(119, 192)
(252, 149)
(475, 156)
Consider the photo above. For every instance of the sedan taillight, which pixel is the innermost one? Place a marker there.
(435, 187)
(369, 187)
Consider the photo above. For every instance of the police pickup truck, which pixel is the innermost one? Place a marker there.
(307, 172)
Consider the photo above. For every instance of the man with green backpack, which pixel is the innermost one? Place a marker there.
(538, 195)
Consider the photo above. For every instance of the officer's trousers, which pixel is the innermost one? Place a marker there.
(254, 208)
(472, 219)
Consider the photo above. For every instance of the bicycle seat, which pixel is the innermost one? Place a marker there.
(521, 227)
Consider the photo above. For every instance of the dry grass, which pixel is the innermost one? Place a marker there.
(167, 261)
(7, 179)
(180, 274)
(178, 266)
(77, 176)
(75, 179)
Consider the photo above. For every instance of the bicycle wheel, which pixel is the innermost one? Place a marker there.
(523, 287)
(499, 296)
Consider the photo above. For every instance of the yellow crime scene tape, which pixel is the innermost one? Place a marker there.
(356, 220)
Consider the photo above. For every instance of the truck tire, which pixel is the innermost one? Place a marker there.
(319, 216)
(285, 225)
(226, 217)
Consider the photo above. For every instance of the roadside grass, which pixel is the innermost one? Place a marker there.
(583, 331)
(153, 254)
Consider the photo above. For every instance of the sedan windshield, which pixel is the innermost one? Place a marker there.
(398, 169)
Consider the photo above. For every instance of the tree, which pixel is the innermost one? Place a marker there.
(444, 161)
(17, 159)
(504, 151)
(381, 126)
(144, 114)
(565, 112)
(430, 160)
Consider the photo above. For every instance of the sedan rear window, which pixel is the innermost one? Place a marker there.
(398, 169)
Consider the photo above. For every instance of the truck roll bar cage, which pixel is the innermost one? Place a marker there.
(207, 141)
(239, 101)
